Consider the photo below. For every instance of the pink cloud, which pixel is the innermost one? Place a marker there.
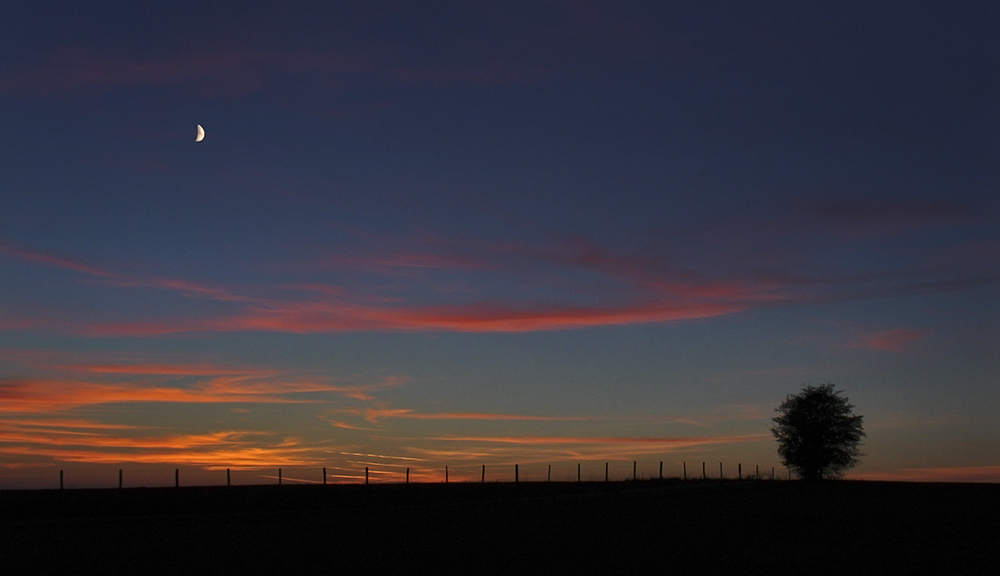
(225, 73)
(647, 296)
(646, 276)
(387, 263)
(313, 317)
(185, 287)
(109, 278)
(889, 340)
(617, 290)
(46, 259)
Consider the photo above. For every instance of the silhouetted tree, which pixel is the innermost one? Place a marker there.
(817, 433)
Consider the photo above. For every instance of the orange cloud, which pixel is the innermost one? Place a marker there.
(95, 440)
(63, 424)
(100, 443)
(164, 369)
(40, 396)
(236, 457)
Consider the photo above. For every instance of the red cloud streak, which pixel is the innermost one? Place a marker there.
(313, 317)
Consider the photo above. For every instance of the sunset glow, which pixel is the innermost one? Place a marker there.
(561, 233)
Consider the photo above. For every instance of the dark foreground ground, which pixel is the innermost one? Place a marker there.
(646, 527)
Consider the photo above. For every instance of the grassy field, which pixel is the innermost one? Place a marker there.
(647, 527)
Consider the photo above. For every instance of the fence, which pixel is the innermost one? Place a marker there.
(405, 477)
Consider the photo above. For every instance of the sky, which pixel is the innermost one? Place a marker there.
(471, 233)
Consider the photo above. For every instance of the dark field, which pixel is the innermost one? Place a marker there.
(645, 527)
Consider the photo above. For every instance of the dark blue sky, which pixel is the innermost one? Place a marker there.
(468, 232)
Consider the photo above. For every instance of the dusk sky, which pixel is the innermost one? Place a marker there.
(456, 233)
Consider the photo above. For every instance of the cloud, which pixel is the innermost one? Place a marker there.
(551, 440)
(866, 218)
(165, 369)
(895, 340)
(75, 440)
(547, 449)
(107, 277)
(46, 259)
(315, 317)
(989, 474)
(383, 456)
(505, 287)
(466, 43)
(63, 424)
(723, 414)
(61, 386)
(180, 450)
(37, 395)
(11, 434)
(236, 71)
(184, 287)
(239, 386)
(373, 415)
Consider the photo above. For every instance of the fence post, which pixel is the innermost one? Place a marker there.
(515, 473)
(445, 474)
(366, 474)
(703, 475)
(177, 477)
(324, 475)
(720, 470)
(661, 469)
(279, 476)
(634, 465)
(407, 475)
(577, 472)
(119, 478)
(606, 477)
(550, 473)
(756, 473)
(685, 470)
(739, 470)
(228, 478)
(484, 474)
(60, 479)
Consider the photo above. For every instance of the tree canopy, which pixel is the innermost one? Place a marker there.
(817, 432)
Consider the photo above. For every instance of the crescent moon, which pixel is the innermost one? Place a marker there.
(201, 134)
